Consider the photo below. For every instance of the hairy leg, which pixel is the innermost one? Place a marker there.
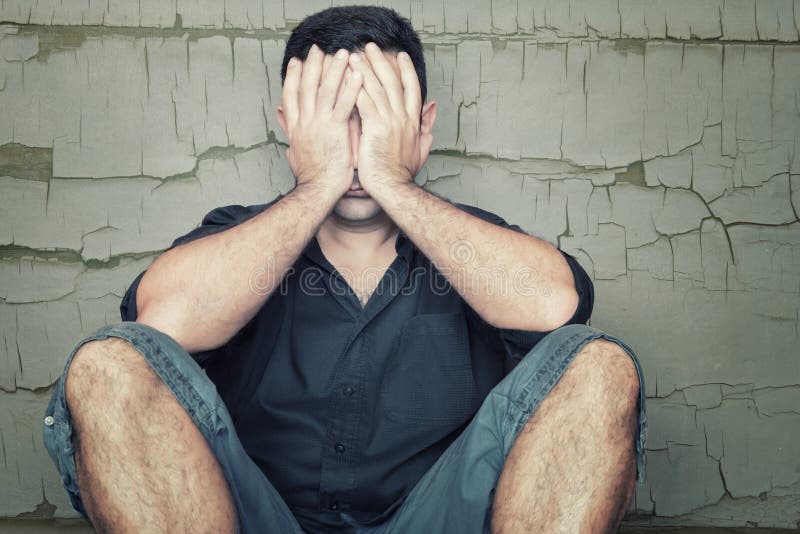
(572, 467)
(142, 464)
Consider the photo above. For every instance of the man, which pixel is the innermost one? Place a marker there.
(380, 354)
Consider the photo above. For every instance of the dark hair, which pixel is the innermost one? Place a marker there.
(351, 28)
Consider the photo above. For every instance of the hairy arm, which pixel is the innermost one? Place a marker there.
(512, 280)
(203, 292)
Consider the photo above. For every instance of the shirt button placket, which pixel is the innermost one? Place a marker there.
(337, 467)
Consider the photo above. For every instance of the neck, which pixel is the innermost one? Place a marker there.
(359, 240)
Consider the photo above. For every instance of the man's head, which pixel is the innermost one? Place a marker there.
(351, 28)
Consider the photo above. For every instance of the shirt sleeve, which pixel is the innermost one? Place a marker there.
(215, 221)
(517, 343)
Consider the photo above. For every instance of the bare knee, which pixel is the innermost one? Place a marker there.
(604, 374)
(106, 370)
(141, 462)
(609, 368)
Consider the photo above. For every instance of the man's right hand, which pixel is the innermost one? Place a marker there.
(315, 111)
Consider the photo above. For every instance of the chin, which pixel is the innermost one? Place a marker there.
(357, 209)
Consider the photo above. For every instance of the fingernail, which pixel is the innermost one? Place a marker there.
(403, 54)
(341, 54)
(292, 61)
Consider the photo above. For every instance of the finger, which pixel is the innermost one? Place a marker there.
(326, 61)
(366, 108)
(332, 81)
(347, 73)
(347, 98)
(372, 85)
(411, 89)
(309, 83)
(291, 83)
(386, 75)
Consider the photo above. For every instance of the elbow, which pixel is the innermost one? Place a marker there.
(568, 299)
(188, 322)
(549, 313)
(161, 311)
(168, 321)
(190, 332)
(572, 299)
(564, 310)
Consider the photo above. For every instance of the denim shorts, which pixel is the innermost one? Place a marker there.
(454, 495)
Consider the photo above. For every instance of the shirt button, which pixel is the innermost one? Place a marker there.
(339, 448)
(347, 390)
(49, 420)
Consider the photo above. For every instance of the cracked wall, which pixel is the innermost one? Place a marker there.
(659, 143)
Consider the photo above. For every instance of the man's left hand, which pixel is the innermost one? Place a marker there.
(390, 149)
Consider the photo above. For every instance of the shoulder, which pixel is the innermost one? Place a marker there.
(222, 218)
(235, 213)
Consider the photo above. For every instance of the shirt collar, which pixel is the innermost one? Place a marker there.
(402, 245)
(314, 253)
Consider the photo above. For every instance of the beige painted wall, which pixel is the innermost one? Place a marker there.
(657, 141)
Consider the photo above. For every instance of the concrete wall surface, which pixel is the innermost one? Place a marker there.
(656, 141)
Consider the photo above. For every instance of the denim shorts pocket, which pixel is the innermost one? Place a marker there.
(429, 378)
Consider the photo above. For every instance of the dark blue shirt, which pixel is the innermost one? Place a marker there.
(345, 407)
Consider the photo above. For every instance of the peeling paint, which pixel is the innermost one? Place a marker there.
(25, 162)
(658, 143)
(633, 175)
(627, 19)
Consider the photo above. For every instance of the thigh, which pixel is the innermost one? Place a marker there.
(259, 506)
(456, 493)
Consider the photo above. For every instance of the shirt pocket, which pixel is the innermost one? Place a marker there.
(428, 379)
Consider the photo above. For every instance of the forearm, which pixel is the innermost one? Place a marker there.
(512, 280)
(203, 292)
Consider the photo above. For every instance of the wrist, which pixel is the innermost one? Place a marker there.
(390, 192)
(318, 191)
